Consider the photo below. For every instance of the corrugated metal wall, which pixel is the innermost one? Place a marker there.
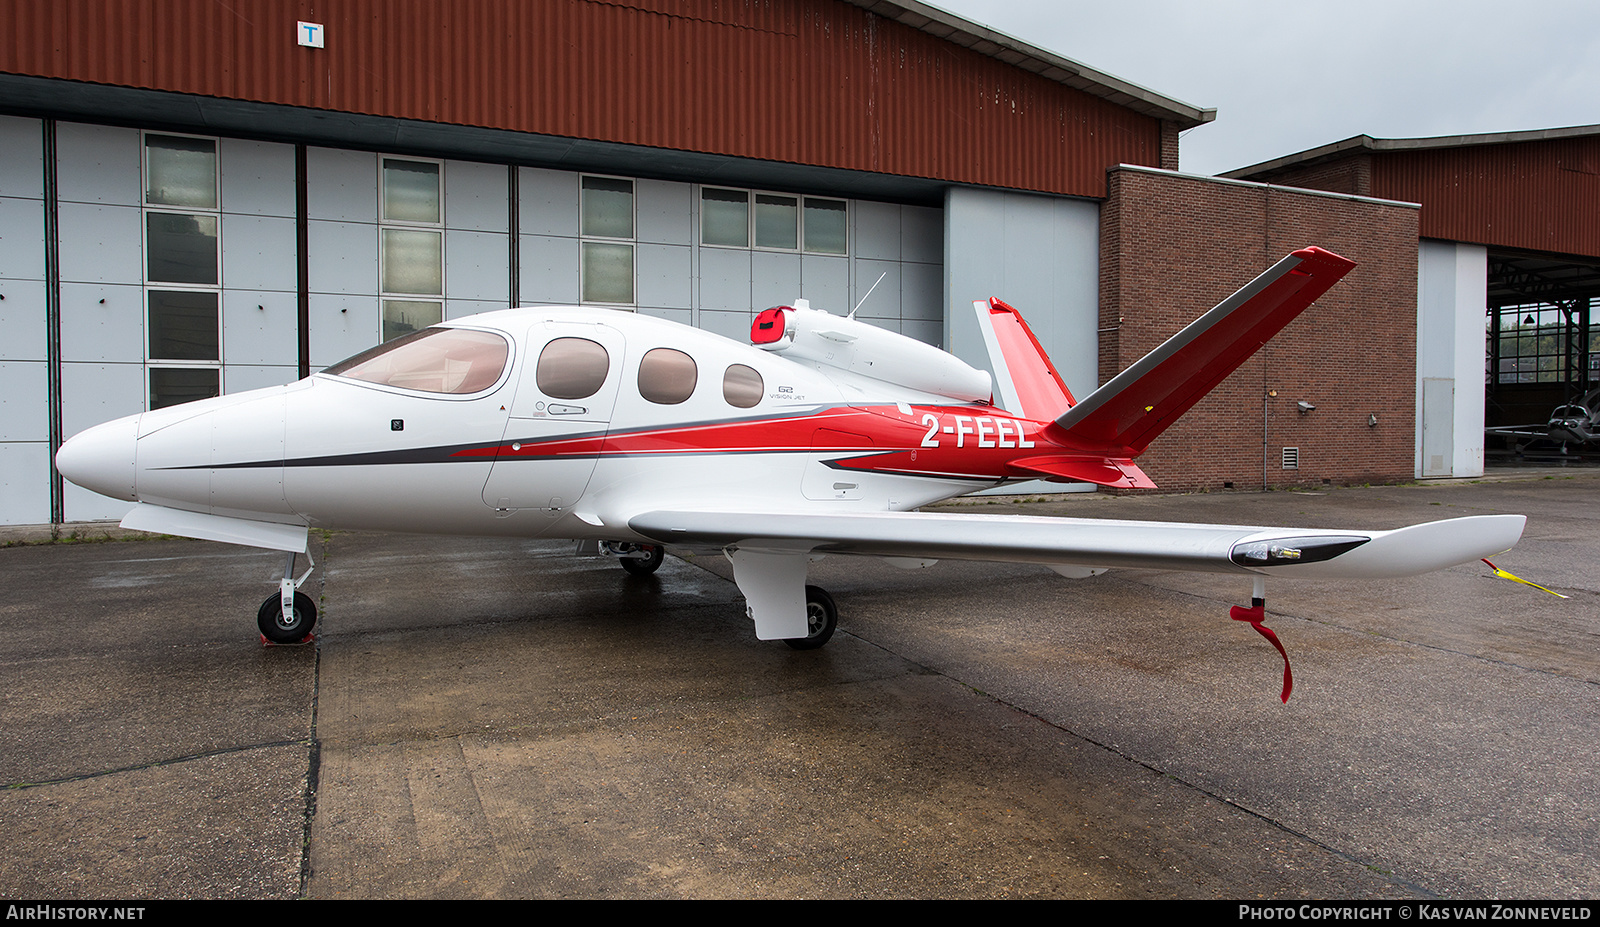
(807, 81)
(1538, 195)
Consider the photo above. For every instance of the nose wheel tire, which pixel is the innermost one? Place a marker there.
(647, 565)
(822, 616)
(270, 619)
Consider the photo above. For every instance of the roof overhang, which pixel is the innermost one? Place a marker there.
(1367, 143)
(179, 112)
(1046, 64)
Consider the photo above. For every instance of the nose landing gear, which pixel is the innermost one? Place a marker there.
(288, 616)
(294, 629)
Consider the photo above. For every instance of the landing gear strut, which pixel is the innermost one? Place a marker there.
(288, 616)
(638, 559)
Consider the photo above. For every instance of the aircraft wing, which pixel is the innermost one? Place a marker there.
(1519, 431)
(1311, 553)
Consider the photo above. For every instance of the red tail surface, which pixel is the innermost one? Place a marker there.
(1026, 383)
(1126, 414)
(1096, 440)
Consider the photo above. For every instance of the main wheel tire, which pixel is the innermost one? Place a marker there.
(648, 565)
(270, 619)
(822, 616)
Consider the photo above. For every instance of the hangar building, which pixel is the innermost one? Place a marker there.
(199, 198)
(1510, 270)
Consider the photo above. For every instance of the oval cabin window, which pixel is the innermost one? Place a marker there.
(667, 376)
(572, 368)
(742, 387)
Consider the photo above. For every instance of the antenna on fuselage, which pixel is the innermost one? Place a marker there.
(869, 293)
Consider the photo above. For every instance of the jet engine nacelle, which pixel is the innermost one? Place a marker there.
(812, 336)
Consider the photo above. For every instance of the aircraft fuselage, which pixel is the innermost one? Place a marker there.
(518, 457)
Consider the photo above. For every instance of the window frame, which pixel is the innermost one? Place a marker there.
(700, 202)
(633, 207)
(513, 349)
(538, 362)
(388, 224)
(1552, 355)
(216, 180)
(658, 382)
(589, 242)
(752, 199)
(755, 222)
(760, 384)
(154, 365)
(843, 252)
(383, 197)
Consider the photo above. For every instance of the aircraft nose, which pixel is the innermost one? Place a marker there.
(101, 458)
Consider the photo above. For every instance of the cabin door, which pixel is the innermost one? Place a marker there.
(565, 393)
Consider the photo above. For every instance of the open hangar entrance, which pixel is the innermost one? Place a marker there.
(1542, 342)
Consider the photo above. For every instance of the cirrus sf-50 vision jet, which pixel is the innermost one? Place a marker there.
(822, 435)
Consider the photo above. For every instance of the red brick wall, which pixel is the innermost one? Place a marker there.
(1169, 145)
(1173, 246)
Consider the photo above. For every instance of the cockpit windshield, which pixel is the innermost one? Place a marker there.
(433, 360)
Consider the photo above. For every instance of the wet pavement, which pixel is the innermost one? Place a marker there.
(499, 719)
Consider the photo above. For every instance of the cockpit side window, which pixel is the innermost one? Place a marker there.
(457, 361)
(742, 387)
(572, 368)
(667, 376)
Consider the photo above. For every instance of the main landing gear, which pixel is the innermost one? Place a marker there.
(764, 577)
(822, 617)
(638, 559)
(288, 615)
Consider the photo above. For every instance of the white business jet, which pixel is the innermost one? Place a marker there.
(821, 436)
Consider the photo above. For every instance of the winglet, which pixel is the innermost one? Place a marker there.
(1136, 405)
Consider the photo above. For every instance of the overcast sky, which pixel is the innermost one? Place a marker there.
(1286, 76)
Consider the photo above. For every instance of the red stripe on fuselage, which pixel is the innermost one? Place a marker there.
(970, 442)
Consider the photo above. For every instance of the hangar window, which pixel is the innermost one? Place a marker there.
(607, 273)
(411, 244)
(404, 316)
(667, 376)
(183, 325)
(180, 171)
(411, 261)
(410, 191)
(181, 248)
(825, 225)
(572, 368)
(170, 386)
(607, 207)
(725, 217)
(1541, 343)
(435, 360)
(776, 223)
(183, 269)
(742, 387)
(607, 264)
